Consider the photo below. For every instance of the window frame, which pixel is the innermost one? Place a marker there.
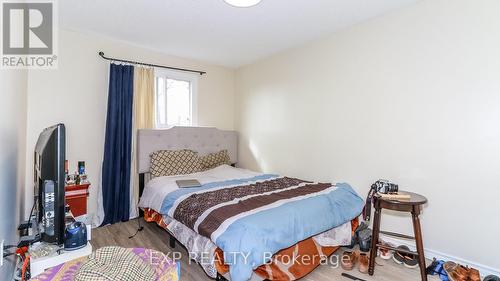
(192, 78)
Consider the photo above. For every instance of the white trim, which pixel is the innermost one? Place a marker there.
(430, 254)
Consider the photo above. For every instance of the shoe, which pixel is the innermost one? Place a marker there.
(491, 278)
(456, 272)
(474, 274)
(385, 254)
(399, 257)
(410, 261)
(364, 262)
(348, 260)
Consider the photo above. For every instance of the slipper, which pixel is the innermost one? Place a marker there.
(410, 261)
(399, 257)
(436, 267)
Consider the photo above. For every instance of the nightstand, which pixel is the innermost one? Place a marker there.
(76, 198)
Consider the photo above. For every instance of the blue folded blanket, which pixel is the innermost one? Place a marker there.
(251, 219)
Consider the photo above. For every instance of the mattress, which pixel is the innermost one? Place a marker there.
(250, 216)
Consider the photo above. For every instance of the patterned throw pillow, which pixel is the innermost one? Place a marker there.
(174, 162)
(216, 159)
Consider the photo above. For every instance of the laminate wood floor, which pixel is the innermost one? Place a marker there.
(154, 237)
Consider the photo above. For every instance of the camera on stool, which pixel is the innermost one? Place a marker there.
(385, 187)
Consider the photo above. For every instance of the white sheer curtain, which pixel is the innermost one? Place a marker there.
(144, 118)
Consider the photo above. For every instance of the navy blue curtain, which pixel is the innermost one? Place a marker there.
(117, 147)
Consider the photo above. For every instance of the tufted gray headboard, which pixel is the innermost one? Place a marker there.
(202, 139)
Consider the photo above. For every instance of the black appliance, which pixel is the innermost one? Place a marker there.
(49, 181)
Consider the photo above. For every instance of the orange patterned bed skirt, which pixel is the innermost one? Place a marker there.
(282, 266)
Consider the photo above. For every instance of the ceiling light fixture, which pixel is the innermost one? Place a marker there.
(242, 3)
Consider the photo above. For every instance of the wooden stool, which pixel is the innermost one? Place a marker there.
(413, 206)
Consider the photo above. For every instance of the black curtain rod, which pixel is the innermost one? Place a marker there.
(152, 65)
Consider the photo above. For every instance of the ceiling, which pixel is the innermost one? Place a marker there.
(212, 31)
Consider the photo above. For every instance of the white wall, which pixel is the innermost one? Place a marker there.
(12, 157)
(76, 94)
(413, 96)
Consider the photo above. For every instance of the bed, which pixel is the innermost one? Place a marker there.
(241, 224)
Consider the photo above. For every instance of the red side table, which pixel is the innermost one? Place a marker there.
(76, 198)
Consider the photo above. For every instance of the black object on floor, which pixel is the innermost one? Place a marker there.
(352, 277)
(220, 277)
(491, 278)
(139, 228)
(431, 269)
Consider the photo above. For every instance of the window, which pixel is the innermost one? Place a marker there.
(175, 98)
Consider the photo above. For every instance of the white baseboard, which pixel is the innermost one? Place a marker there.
(430, 254)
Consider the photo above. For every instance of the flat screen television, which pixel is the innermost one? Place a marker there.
(49, 182)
